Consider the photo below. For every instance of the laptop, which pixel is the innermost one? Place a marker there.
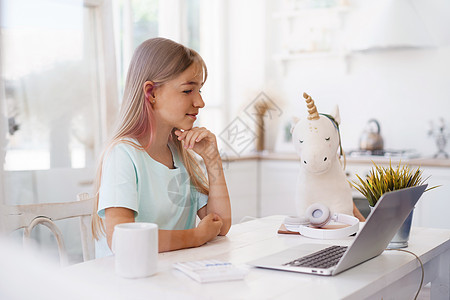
(382, 224)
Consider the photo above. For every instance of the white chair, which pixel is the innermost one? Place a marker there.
(29, 215)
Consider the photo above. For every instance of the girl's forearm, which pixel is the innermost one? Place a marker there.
(218, 199)
(169, 240)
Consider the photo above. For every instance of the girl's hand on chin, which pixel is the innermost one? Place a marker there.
(201, 140)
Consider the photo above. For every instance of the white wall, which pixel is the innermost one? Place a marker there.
(403, 88)
(247, 52)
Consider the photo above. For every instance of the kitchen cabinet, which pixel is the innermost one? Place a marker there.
(242, 178)
(261, 188)
(433, 208)
(277, 187)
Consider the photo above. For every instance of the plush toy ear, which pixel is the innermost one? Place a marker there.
(293, 123)
(335, 114)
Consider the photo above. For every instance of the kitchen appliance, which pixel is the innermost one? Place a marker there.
(441, 136)
(385, 153)
(371, 139)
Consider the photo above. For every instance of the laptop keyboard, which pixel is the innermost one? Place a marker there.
(323, 259)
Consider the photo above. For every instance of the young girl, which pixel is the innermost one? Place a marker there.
(147, 172)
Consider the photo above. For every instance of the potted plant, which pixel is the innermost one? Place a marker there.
(381, 180)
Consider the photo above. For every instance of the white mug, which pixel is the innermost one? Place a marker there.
(135, 247)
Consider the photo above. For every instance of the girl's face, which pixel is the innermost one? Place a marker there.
(177, 102)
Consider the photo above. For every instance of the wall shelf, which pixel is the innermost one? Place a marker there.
(283, 60)
(309, 55)
(295, 13)
(310, 33)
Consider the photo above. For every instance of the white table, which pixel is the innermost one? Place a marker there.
(392, 275)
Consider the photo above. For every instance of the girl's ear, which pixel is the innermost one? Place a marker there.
(149, 87)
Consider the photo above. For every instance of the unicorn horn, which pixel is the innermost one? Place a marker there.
(312, 109)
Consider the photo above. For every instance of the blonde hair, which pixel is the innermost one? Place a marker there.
(158, 60)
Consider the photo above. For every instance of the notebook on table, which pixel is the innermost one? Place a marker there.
(384, 221)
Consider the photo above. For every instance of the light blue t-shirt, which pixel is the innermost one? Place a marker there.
(156, 194)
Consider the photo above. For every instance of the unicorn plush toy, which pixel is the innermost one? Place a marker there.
(321, 179)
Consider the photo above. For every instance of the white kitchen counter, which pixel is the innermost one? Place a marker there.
(421, 161)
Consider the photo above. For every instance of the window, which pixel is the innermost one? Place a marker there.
(51, 84)
(135, 21)
(139, 20)
(193, 23)
(57, 61)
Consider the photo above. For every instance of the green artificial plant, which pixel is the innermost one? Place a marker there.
(381, 180)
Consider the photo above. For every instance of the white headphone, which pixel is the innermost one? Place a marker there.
(317, 216)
